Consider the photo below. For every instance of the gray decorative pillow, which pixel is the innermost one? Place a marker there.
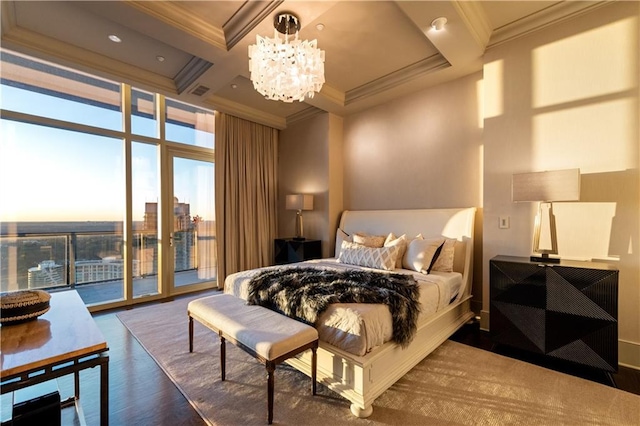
(371, 257)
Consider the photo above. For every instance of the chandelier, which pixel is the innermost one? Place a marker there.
(286, 70)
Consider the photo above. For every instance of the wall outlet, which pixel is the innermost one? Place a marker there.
(504, 222)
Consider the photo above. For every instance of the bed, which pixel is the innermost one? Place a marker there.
(358, 357)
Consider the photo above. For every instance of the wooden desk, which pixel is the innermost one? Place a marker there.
(63, 341)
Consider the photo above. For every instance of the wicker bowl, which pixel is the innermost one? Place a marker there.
(23, 305)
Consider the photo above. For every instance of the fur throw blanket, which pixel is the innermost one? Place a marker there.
(304, 293)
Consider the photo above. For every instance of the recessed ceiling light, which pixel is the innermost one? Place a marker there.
(320, 27)
(439, 23)
(160, 58)
(114, 38)
(234, 86)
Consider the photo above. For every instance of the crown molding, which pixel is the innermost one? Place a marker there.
(247, 18)
(190, 73)
(303, 115)
(551, 15)
(332, 94)
(403, 75)
(173, 14)
(239, 110)
(475, 19)
(50, 49)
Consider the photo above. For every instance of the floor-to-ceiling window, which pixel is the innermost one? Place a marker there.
(104, 187)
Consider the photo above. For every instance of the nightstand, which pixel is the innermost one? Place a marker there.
(289, 250)
(567, 310)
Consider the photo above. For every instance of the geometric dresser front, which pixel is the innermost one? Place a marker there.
(567, 311)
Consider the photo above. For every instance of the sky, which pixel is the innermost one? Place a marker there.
(49, 174)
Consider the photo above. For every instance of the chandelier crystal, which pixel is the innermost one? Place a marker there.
(286, 70)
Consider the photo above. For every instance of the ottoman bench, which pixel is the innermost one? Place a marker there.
(268, 336)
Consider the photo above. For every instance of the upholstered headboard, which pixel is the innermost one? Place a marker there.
(450, 223)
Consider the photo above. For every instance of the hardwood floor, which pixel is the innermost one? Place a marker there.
(141, 394)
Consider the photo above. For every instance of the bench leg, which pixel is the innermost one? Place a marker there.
(314, 366)
(190, 334)
(223, 357)
(270, 369)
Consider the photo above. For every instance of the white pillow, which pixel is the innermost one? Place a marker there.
(401, 242)
(369, 240)
(371, 257)
(420, 254)
(340, 237)
(405, 260)
(444, 262)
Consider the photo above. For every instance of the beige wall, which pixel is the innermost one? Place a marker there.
(310, 162)
(420, 151)
(567, 97)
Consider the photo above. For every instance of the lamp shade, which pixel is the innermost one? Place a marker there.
(299, 202)
(557, 185)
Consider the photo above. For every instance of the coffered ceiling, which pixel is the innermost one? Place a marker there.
(375, 50)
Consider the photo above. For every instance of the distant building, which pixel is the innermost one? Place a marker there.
(107, 269)
(150, 216)
(181, 216)
(183, 235)
(46, 274)
(50, 274)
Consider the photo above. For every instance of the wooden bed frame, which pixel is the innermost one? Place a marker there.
(361, 379)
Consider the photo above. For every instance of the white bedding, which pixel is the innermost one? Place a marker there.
(358, 327)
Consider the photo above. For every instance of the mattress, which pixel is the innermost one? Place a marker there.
(360, 327)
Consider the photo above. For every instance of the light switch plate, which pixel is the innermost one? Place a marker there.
(504, 222)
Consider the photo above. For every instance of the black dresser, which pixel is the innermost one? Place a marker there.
(289, 250)
(567, 311)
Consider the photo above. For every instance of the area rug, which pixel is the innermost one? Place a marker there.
(456, 384)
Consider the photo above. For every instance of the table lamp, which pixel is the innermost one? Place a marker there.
(545, 188)
(299, 202)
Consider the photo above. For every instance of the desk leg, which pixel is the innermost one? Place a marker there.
(76, 382)
(104, 392)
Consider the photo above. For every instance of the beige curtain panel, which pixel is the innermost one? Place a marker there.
(246, 156)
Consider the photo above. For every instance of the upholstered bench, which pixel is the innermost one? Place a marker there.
(267, 335)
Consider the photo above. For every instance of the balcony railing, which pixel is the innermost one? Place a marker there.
(92, 262)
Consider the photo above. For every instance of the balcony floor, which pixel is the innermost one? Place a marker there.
(107, 291)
